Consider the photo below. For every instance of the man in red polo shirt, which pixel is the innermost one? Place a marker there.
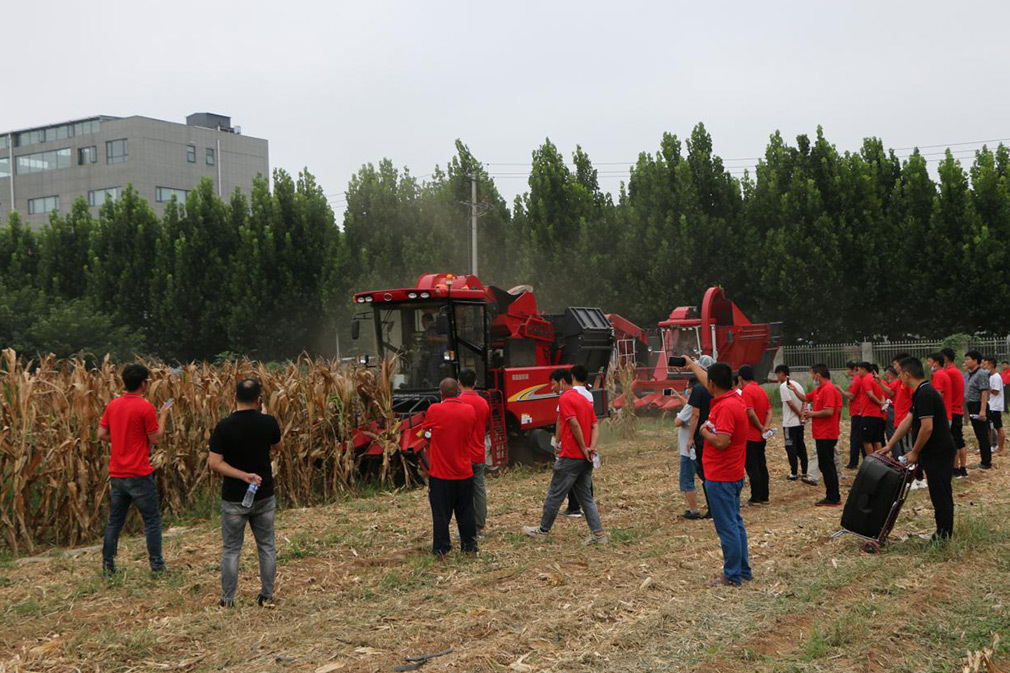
(449, 425)
(478, 452)
(940, 380)
(574, 466)
(855, 415)
(901, 398)
(825, 415)
(132, 427)
(724, 455)
(759, 415)
(873, 413)
(956, 415)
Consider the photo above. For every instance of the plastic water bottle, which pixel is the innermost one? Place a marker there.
(250, 495)
(596, 461)
(768, 434)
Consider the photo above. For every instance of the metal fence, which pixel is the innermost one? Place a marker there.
(882, 352)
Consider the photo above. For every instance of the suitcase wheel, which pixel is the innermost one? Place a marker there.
(871, 547)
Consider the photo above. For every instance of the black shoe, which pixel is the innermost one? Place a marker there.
(827, 503)
(159, 570)
(986, 467)
(572, 513)
(108, 570)
(264, 601)
(226, 604)
(851, 467)
(690, 515)
(792, 477)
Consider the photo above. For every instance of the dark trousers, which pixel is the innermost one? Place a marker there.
(826, 461)
(939, 470)
(982, 432)
(448, 497)
(757, 471)
(855, 441)
(142, 492)
(957, 430)
(796, 449)
(699, 469)
(571, 474)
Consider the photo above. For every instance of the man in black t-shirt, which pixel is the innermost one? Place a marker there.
(933, 446)
(240, 452)
(700, 401)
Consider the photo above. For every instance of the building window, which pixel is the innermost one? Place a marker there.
(116, 152)
(165, 194)
(43, 161)
(191, 154)
(44, 204)
(5, 167)
(210, 156)
(87, 155)
(97, 197)
(4, 143)
(53, 133)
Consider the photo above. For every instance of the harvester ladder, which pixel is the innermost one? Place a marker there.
(499, 438)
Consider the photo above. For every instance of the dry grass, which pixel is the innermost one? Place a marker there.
(621, 385)
(53, 486)
(358, 591)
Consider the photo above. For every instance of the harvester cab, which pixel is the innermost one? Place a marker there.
(449, 323)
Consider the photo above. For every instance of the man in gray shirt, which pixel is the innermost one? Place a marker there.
(976, 400)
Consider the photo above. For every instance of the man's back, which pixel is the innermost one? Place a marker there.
(451, 425)
(756, 398)
(244, 439)
(130, 419)
(481, 411)
(573, 405)
(956, 387)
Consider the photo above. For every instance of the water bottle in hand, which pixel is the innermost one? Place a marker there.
(596, 461)
(250, 495)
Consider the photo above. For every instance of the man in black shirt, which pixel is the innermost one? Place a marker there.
(700, 401)
(933, 446)
(240, 452)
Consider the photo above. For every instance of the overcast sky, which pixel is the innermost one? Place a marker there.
(333, 85)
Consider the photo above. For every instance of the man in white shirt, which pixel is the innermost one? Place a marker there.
(997, 402)
(793, 397)
(687, 453)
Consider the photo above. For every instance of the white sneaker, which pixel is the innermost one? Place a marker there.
(596, 539)
(919, 484)
(534, 531)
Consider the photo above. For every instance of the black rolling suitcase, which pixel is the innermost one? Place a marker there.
(877, 494)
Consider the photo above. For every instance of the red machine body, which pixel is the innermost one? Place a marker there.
(448, 323)
(719, 329)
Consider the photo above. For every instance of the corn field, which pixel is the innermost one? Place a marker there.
(53, 469)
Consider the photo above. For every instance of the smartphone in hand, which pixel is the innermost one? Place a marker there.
(168, 404)
(677, 361)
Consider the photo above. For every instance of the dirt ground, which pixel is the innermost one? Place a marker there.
(357, 589)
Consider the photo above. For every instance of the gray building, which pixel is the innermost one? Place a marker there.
(46, 168)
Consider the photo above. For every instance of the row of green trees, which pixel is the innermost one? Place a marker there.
(838, 245)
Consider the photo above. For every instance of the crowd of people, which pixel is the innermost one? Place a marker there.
(723, 428)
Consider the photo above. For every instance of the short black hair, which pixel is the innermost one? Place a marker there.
(891, 370)
(1005, 362)
(851, 364)
(990, 359)
(134, 376)
(948, 353)
(874, 368)
(822, 369)
(562, 374)
(580, 373)
(746, 373)
(247, 391)
(782, 369)
(899, 357)
(865, 365)
(721, 376)
(974, 355)
(468, 378)
(913, 367)
(936, 357)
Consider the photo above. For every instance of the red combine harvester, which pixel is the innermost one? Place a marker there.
(448, 323)
(720, 329)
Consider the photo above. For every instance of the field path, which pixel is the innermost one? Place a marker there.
(357, 590)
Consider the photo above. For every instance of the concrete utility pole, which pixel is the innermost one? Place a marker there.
(473, 223)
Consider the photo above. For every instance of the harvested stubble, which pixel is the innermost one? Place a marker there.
(53, 469)
(623, 419)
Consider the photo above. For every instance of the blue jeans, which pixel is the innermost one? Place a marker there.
(686, 474)
(260, 518)
(724, 504)
(142, 492)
